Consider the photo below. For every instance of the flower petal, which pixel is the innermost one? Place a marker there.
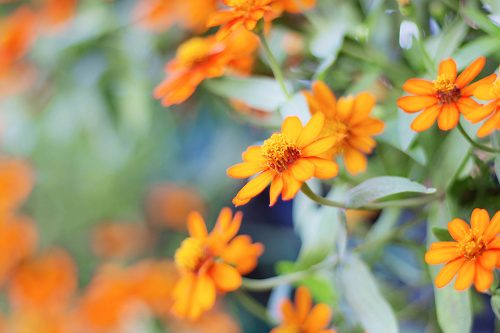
(419, 87)
(481, 113)
(325, 97)
(292, 127)
(319, 146)
(245, 169)
(466, 275)
(302, 169)
(426, 119)
(470, 72)
(493, 228)
(479, 221)
(448, 67)
(458, 229)
(413, 104)
(324, 168)
(439, 256)
(469, 90)
(196, 225)
(484, 92)
(467, 105)
(448, 117)
(225, 277)
(318, 318)
(483, 278)
(355, 161)
(311, 130)
(489, 126)
(448, 272)
(255, 186)
(303, 303)
(275, 190)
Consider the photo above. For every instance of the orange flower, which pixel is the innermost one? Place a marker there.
(489, 92)
(348, 120)
(298, 6)
(444, 98)
(286, 160)
(18, 239)
(211, 262)
(159, 15)
(168, 205)
(17, 34)
(120, 240)
(203, 58)
(16, 182)
(55, 14)
(473, 254)
(36, 322)
(44, 283)
(214, 321)
(242, 13)
(303, 317)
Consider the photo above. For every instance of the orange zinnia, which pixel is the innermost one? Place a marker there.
(211, 262)
(444, 98)
(473, 254)
(16, 182)
(242, 13)
(297, 6)
(489, 92)
(44, 283)
(202, 58)
(348, 120)
(303, 317)
(286, 160)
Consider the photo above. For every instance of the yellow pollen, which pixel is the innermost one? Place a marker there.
(194, 51)
(446, 90)
(190, 254)
(472, 246)
(280, 152)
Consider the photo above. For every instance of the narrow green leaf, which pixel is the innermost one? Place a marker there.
(453, 308)
(258, 92)
(380, 187)
(495, 305)
(364, 297)
(442, 234)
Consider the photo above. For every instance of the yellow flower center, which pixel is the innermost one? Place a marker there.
(280, 152)
(339, 131)
(472, 246)
(191, 254)
(195, 51)
(446, 90)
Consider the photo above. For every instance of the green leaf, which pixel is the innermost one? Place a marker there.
(442, 234)
(258, 92)
(364, 297)
(482, 46)
(496, 143)
(453, 308)
(381, 187)
(495, 305)
(443, 45)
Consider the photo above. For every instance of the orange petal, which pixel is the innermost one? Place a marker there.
(467, 105)
(324, 169)
(485, 92)
(302, 169)
(303, 303)
(292, 128)
(458, 229)
(319, 146)
(469, 90)
(226, 277)
(318, 318)
(426, 119)
(275, 190)
(413, 104)
(345, 106)
(481, 113)
(244, 170)
(290, 186)
(470, 72)
(483, 278)
(311, 130)
(448, 272)
(439, 256)
(255, 186)
(364, 144)
(363, 105)
(253, 154)
(466, 275)
(448, 117)
(480, 219)
(448, 67)
(419, 87)
(488, 259)
(489, 126)
(493, 228)
(196, 225)
(355, 161)
(288, 311)
(325, 98)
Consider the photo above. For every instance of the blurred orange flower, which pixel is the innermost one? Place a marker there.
(472, 255)
(168, 205)
(18, 239)
(444, 98)
(36, 322)
(348, 120)
(16, 182)
(120, 240)
(214, 321)
(43, 283)
(488, 92)
(242, 13)
(286, 160)
(159, 15)
(211, 262)
(202, 58)
(303, 317)
(55, 14)
(298, 6)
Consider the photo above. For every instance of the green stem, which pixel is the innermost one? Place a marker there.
(410, 202)
(254, 307)
(476, 144)
(275, 67)
(270, 283)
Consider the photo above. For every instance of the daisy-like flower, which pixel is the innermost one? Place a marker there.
(211, 262)
(489, 92)
(348, 120)
(303, 317)
(286, 160)
(444, 98)
(471, 256)
(241, 13)
(203, 58)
